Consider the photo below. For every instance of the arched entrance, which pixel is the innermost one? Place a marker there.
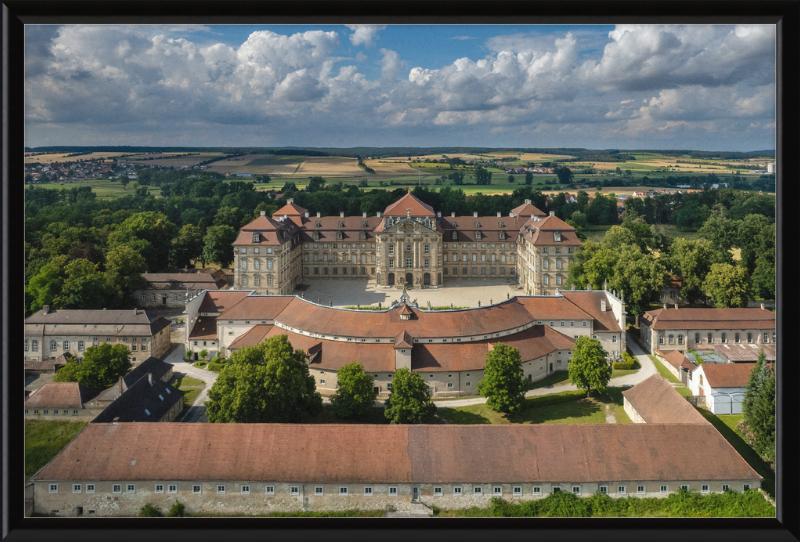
(409, 279)
(426, 279)
(391, 280)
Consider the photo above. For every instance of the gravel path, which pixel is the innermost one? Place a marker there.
(197, 412)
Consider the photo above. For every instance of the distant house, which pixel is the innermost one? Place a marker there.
(173, 289)
(62, 401)
(243, 174)
(158, 369)
(146, 400)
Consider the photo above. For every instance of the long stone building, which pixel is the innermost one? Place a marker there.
(115, 469)
(409, 244)
(448, 348)
(50, 333)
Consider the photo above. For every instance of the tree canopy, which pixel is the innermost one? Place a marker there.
(355, 391)
(503, 382)
(410, 399)
(758, 406)
(589, 368)
(266, 383)
(218, 245)
(728, 285)
(101, 368)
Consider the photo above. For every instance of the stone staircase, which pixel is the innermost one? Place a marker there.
(418, 509)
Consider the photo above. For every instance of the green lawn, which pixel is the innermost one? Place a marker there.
(44, 439)
(562, 377)
(566, 407)
(188, 381)
(723, 425)
(663, 371)
(188, 399)
(104, 189)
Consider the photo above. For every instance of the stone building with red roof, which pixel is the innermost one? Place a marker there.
(448, 348)
(408, 244)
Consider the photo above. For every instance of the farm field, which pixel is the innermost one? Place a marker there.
(167, 159)
(330, 166)
(103, 188)
(387, 167)
(228, 165)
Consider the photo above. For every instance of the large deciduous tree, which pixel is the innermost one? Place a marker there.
(692, 260)
(503, 382)
(188, 246)
(101, 368)
(152, 227)
(46, 285)
(728, 285)
(85, 287)
(410, 399)
(355, 392)
(589, 368)
(124, 268)
(266, 383)
(218, 245)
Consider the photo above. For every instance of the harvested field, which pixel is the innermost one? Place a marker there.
(49, 158)
(330, 166)
(230, 164)
(165, 159)
(387, 167)
(535, 156)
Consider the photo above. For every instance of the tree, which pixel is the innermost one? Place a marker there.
(203, 354)
(564, 174)
(720, 231)
(589, 368)
(46, 285)
(188, 246)
(528, 178)
(763, 277)
(483, 176)
(355, 392)
(124, 268)
(692, 260)
(503, 382)
(511, 179)
(315, 184)
(218, 245)
(85, 287)
(410, 399)
(266, 383)
(728, 285)
(758, 406)
(640, 278)
(101, 368)
(151, 227)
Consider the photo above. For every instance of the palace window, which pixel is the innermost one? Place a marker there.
(749, 337)
(736, 338)
(724, 338)
(409, 261)
(408, 248)
(710, 338)
(427, 249)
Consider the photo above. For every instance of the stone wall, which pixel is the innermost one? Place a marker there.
(84, 414)
(104, 501)
(632, 413)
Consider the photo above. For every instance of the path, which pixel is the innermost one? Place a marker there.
(197, 412)
(647, 370)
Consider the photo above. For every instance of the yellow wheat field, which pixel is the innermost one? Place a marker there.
(329, 166)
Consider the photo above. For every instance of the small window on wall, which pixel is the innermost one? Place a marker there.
(437, 492)
(685, 487)
(621, 490)
(318, 490)
(269, 490)
(726, 487)
(576, 490)
(603, 490)
(294, 490)
(393, 492)
(704, 488)
(159, 488)
(640, 489)
(746, 487)
(664, 489)
(477, 490)
(89, 488)
(456, 491)
(245, 490)
(497, 490)
(556, 489)
(517, 491)
(343, 490)
(196, 489)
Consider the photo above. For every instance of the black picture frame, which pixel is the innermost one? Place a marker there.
(785, 14)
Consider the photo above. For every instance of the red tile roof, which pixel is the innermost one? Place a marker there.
(328, 453)
(411, 202)
(541, 232)
(589, 302)
(251, 338)
(677, 360)
(656, 401)
(257, 307)
(403, 339)
(290, 209)
(727, 375)
(527, 210)
(688, 319)
(219, 301)
(61, 395)
(547, 308)
(204, 328)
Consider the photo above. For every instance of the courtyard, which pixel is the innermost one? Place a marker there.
(354, 292)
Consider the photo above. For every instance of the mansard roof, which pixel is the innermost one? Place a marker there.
(290, 209)
(527, 210)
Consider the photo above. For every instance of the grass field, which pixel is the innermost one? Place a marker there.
(723, 425)
(576, 408)
(104, 189)
(188, 381)
(663, 371)
(44, 439)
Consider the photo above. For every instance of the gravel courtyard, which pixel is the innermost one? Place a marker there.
(461, 293)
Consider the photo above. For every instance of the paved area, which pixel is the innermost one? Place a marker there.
(33, 383)
(197, 412)
(461, 293)
(647, 370)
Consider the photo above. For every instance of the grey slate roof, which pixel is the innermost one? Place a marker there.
(141, 396)
(96, 322)
(151, 365)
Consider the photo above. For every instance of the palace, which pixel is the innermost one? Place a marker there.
(409, 244)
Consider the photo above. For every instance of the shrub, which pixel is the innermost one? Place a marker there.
(188, 354)
(150, 511)
(178, 510)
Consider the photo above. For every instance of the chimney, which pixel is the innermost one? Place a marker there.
(284, 217)
(762, 306)
(475, 214)
(46, 309)
(452, 215)
(527, 202)
(676, 306)
(439, 214)
(552, 213)
(589, 286)
(511, 214)
(115, 420)
(150, 378)
(378, 214)
(263, 213)
(290, 201)
(602, 305)
(104, 308)
(341, 214)
(363, 215)
(317, 214)
(306, 214)
(499, 214)
(135, 312)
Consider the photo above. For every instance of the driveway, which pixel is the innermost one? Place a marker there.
(647, 370)
(197, 412)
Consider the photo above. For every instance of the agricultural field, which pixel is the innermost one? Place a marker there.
(330, 166)
(387, 167)
(104, 189)
(230, 164)
(172, 159)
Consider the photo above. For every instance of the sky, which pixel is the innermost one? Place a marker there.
(700, 87)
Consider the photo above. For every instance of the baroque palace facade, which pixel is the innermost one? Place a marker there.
(409, 244)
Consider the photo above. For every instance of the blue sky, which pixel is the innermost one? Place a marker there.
(610, 86)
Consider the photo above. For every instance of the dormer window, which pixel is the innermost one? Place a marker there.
(256, 237)
(557, 236)
(500, 224)
(318, 224)
(477, 224)
(341, 224)
(455, 235)
(316, 235)
(364, 224)
(502, 235)
(363, 235)
(283, 234)
(477, 235)
(339, 235)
